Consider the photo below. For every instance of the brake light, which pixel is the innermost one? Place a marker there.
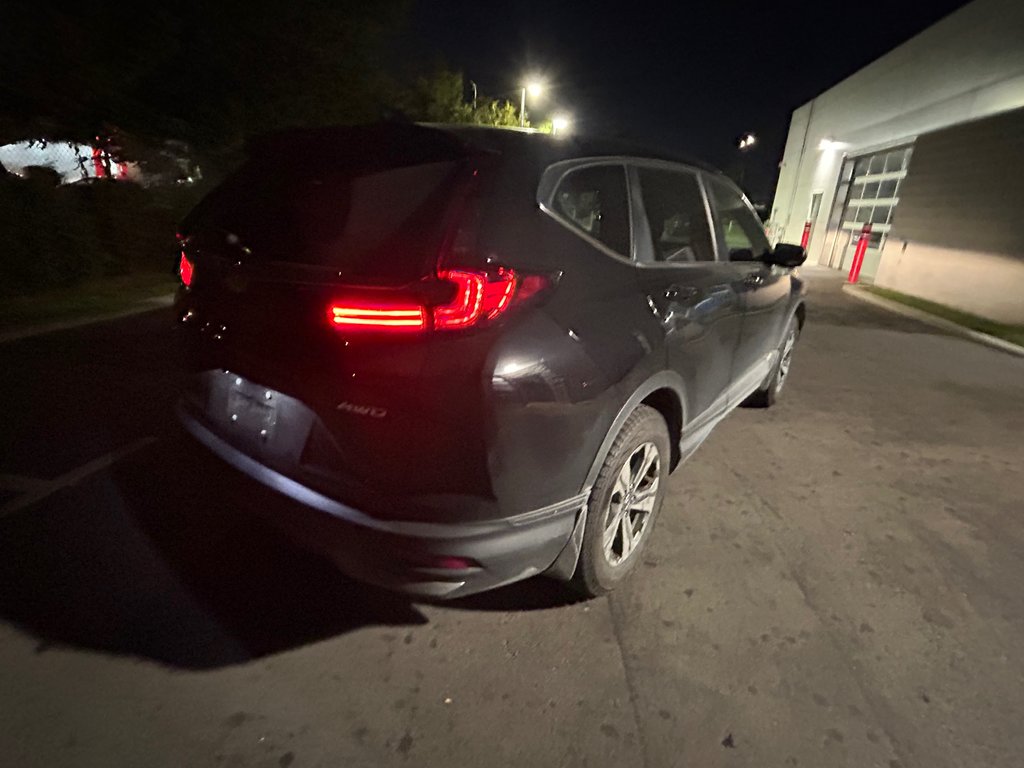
(185, 270)
(405, 317)
(477, 295)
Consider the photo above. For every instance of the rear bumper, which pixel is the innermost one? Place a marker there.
(409, 556)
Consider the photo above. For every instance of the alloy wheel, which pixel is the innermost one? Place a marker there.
(786, 359)
(631, 503)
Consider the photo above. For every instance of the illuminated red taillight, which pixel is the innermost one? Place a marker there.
(185, 270)
(405, 317)
(478, 295)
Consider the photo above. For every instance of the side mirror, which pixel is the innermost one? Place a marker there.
(787, 255)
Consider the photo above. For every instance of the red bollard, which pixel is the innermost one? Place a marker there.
(858, 255)
(97, 163)
(806, 236)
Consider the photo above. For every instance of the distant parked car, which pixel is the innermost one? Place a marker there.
(475, 354)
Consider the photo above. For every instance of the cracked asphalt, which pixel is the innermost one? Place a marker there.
(833, 582)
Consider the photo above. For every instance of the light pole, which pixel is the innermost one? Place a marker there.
(535, 89)
(745, 143)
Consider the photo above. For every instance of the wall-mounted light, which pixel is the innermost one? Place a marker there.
(829, 144)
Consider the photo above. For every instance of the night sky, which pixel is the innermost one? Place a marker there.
(690, 77)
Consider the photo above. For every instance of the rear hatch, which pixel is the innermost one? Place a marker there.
(314, 216)
(314, 271)
(366, 204)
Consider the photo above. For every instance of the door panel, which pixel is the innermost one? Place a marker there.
(691, 296)
(763, 290)
(699, 316)
(764, 297)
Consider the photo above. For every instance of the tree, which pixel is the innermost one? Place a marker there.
(208, 74)
(211, 74)
(439, 97)
(436, 97)
(494, 112)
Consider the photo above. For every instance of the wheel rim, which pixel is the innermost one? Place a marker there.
(631, 504)
(785, 360)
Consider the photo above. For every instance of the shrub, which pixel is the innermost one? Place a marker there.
(59, 235)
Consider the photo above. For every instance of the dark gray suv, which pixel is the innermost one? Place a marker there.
(473, 355)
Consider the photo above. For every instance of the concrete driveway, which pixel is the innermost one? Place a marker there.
(833, 582)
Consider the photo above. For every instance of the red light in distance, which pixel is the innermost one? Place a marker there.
(186, 270)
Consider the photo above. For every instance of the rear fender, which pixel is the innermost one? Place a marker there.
(565, 565)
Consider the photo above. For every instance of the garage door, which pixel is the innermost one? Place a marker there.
(872, 194)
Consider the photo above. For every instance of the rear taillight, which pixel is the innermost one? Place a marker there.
(390, 317)
(185, 270)
(478, 295)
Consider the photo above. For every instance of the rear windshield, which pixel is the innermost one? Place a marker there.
(368, 203)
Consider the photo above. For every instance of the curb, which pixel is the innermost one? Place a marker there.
(929, 319)
(147, 305)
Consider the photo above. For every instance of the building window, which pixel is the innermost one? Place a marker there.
(812, 213)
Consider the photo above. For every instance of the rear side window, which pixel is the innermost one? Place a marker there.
(593, 200)
(370, 205)
(740, 232)
(676, 216)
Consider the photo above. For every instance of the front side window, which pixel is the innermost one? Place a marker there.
(739, 230)
(593, 200)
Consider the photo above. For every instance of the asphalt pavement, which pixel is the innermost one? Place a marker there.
(833, 582)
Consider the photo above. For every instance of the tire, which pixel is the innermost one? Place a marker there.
(608, 558)
(765, 398)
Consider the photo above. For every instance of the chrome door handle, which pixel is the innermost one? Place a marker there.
(677, 292)
(753, 279)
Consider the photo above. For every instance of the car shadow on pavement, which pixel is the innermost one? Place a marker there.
(164, 558)
(536, 594)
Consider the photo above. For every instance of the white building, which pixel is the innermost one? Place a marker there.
(927, 145)
(72, 162)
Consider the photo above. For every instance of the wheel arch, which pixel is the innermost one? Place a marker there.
(664, 393)
(669, 404)
(801, 314)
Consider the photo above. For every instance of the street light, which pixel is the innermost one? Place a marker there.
(560, 124)
(535, 89)
(745, 143)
